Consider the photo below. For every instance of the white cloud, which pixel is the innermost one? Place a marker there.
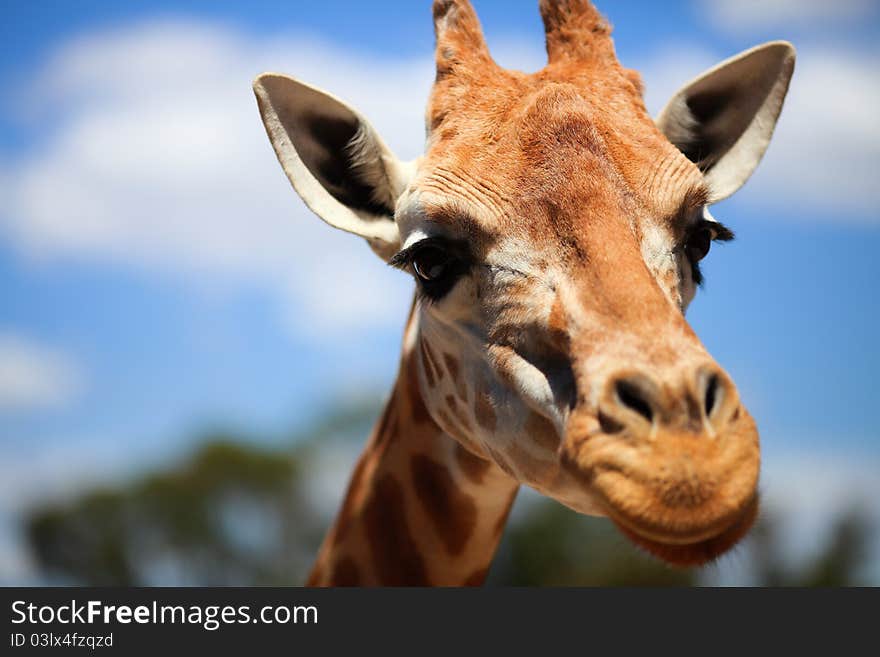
(827, 146)
(825, 155)
(152, 155)
(744, 15)
(35, 376)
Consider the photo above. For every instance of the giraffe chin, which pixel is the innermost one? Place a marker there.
(684, 498)
(677, 553)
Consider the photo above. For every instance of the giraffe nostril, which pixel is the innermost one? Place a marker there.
(719, 397)
(711, 396)
(634, 398)
(685, 402)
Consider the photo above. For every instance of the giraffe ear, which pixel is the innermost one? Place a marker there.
(334, 158)
(723, 119)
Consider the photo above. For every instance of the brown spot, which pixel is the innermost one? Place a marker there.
(453, 513)
(542, 431)
(477, 577)
(395, 554)
(451, 366)
(483, 410)
(345, 573)
(473, 467)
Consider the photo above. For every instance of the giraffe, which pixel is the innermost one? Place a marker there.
(554, 232)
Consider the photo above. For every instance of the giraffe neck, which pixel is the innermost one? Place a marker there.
(420, 509)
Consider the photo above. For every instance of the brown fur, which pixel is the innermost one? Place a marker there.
(454, 514)
(346, 573)
(473, 467)
(396, 557)
(477, 577)
(402, 493)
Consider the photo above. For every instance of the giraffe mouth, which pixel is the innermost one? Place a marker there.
(695, 549)
(682, 498)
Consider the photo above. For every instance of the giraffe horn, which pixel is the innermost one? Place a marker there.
(460, 42)
(575, 30)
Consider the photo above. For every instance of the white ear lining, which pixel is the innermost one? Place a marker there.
(771, 61)
(381, 232)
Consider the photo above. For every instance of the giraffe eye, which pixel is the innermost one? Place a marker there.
(698, 244)
(431, 263)
(437, 264)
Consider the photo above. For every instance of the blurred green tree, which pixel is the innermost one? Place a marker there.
(837, 564)
(237, 513)
(230, 515)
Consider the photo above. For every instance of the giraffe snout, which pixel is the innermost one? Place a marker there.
(674, 460)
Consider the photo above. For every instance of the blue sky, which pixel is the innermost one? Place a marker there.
(159, 277)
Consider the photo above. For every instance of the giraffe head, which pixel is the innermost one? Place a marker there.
(554, 231)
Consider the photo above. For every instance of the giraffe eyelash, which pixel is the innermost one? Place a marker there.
(720, 233)
(434, 279)
(403, 259)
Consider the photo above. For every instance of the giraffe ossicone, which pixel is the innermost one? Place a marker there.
(554, 231)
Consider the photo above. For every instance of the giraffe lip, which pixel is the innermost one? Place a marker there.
(699, 503)
(693, 518)
(687, 537)
(694, 549)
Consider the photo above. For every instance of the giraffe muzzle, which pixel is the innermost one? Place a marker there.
(674, 464)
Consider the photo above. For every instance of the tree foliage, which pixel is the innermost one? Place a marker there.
(231, 514)
(236, 513)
